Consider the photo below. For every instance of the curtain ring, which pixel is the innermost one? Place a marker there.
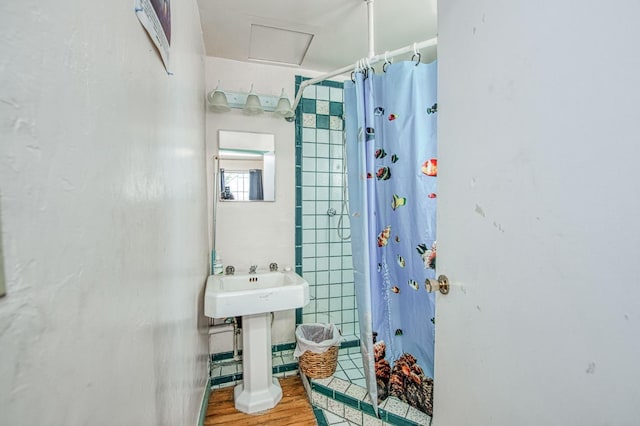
(353, 76)
(370, 67)
(417, 54)
(386, 62)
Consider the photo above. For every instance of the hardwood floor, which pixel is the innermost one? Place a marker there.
(293, 410)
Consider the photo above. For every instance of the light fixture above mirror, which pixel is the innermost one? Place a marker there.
(218, 100)
(251, 103)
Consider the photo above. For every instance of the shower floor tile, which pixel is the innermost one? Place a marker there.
(348, 396)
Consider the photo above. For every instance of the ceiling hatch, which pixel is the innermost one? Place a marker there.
(277, 45)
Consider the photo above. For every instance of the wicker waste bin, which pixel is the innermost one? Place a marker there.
(317, 349)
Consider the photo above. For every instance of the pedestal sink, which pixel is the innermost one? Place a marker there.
(254, 297)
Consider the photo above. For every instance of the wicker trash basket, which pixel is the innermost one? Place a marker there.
(317, 349)
(319, 366)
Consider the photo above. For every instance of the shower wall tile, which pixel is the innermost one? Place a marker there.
(322, 121)
(308, 135)
(323, 136)
(322, 257)
(309, 120)
(335, 94)
(322, 92)
(308, 149)
(335, 108)
(322, 107)
(336, 138)
(309, 91)
(309, 106)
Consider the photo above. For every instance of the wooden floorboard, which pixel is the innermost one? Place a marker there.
(293, 410)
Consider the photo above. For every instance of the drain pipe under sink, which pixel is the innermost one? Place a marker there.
(225, 328)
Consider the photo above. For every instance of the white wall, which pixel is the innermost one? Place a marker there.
(256, 233)
(538, 213)
(102, 178)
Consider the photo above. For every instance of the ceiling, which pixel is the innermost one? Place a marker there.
(339, 27)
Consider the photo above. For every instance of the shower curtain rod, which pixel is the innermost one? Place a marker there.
(371, 60)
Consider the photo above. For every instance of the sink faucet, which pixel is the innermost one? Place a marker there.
(273, 267)
(229, 270)
(252, 269)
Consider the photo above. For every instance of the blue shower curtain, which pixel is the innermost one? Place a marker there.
(392, 166)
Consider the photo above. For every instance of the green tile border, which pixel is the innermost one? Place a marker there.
(220, 380)
(283, 347)
(238, 376)
(327, 83)
(347, 399)
(355, 343)
(221, 356)
(324, 390)
(285, 368)
(396, 420)
(320, 418)
(298, 184)
(367, 408)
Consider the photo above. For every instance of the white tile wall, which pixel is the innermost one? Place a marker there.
(325, 256)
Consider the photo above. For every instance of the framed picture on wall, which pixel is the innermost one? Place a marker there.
(155, 17)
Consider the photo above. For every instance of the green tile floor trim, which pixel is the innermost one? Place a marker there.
(364, 407)
(274, 348)
(235, 377)
(320, 418)
(343, 400)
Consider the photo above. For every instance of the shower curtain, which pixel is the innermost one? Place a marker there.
(390, 126)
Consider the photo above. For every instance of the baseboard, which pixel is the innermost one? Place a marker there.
(279, 347)
(205, 403)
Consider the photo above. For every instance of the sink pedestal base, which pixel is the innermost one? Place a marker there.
(259, 390)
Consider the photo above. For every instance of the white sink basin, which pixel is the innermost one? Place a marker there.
(247, 294)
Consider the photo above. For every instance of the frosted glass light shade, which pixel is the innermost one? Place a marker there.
(218, 101)
(283, 109)
(253, 105)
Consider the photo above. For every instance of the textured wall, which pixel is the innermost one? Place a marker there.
(102, 178)
(537, 213)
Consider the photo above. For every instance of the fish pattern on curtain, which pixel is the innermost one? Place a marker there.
(396, 135)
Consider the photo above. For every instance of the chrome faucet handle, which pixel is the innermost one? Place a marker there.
(229, 270)
(252, 269)
(273, 266)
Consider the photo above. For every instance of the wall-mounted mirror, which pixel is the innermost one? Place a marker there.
(246, 166)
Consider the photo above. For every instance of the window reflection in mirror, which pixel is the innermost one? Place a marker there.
(246, 166)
